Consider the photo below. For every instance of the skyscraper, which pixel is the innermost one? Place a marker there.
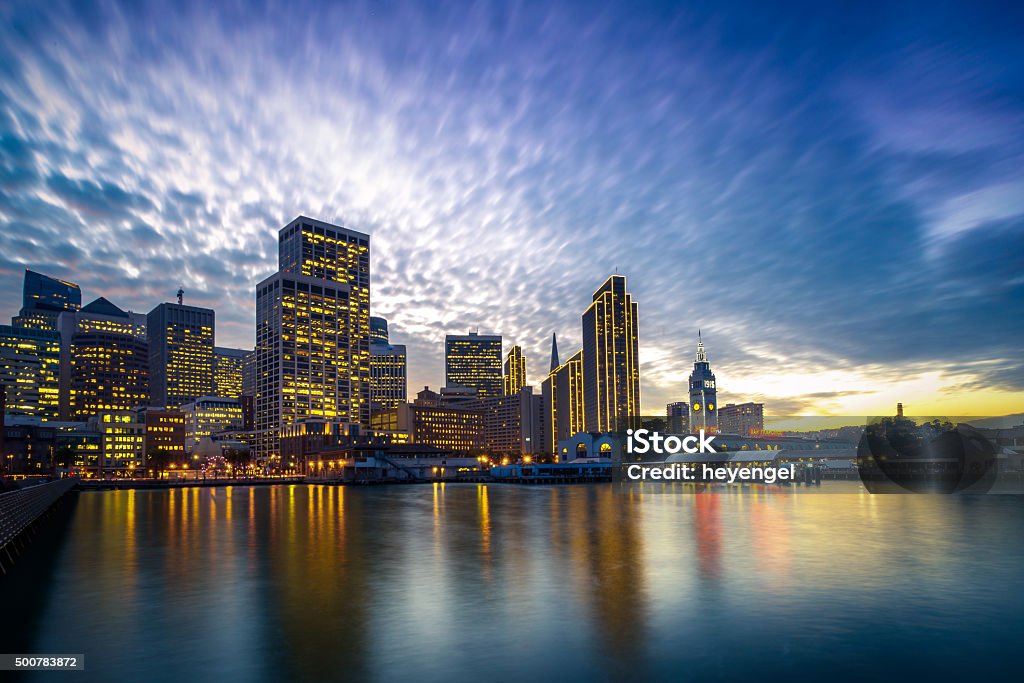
(180, 354)
(336, 254)
(473, 361)
(313, 331)
(228, 370)
(43, 299)
(378, 330)
(563, 400)
(249, 374)
(703, 394)
(515, 371)
(30, 371)
(104, 365)
(388, 388)
(611, 367)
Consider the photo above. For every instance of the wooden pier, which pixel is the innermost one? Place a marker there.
(20, 512)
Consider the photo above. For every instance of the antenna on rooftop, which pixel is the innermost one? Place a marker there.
(181, 294)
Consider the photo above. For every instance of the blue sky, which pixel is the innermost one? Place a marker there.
(833, 194)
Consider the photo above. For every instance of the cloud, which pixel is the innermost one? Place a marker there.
(777, 182)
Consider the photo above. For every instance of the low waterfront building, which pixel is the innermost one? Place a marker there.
(586, 446)
(210, 415)
(743, 419)
(164, 435)
(123, 442)
(28, 446)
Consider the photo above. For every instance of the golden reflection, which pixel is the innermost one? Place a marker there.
(484, 515)
(131, 562)
(709, 533)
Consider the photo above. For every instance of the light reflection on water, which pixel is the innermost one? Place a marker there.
(465, 581)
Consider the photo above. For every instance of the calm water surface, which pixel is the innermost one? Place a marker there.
(467, 582)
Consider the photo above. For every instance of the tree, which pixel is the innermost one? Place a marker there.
(157, 459)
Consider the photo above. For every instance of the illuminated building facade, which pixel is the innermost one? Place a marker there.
(453, 429)
(123, 441)
(703, 393)
(30, 371)
(388, 387)
(474, 361)
(741, 418)
(228, 370)
(210, 415)
(28, 445)
(428, 421)
(180, 354)
(511, 424)
(249, 374)
(678, 415)
(378, 330)
(104, 366)
(84, 444)
(43, 300)
(335, 254)
(164, 433)
(562, 394)
(303, 355)
(610, 355)
(515, 371)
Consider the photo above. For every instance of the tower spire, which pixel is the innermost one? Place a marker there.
(702, 357)
(554, 353)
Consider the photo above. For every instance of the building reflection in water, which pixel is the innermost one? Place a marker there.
(708, 533)
(320, 583)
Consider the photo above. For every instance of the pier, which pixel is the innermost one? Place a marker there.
(124, 484)
(20, 511)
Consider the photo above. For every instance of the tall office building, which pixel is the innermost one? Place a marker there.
(562, 395)
(378, 330)
(474, 361)
(30, 371)
(249, 374)
(313, 331)
(678, 415)
(228, 370)
(611, 367)
(388, 388)
(703, 394)
(43, 300)
(329, 252)
(104, 365)
(180, 354)
(515, 371)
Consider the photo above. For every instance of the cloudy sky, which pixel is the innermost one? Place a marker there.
(835, 197)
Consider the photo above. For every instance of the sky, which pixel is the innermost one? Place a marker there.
(832, 193)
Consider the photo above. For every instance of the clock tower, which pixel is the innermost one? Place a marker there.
(703, 396)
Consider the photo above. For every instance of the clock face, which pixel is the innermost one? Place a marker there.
(711, 406)
(696, 407)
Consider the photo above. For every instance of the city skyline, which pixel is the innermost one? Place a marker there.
(843, 230)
